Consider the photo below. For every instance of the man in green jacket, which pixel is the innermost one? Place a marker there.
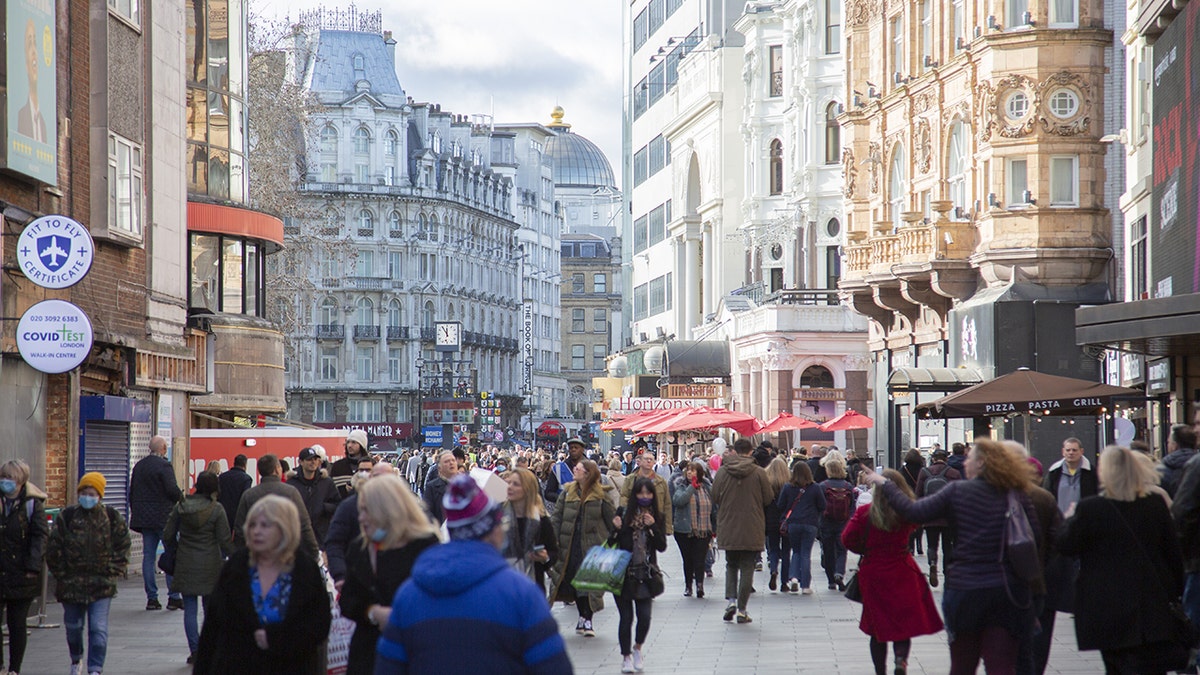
(741, 491)
(662, 492)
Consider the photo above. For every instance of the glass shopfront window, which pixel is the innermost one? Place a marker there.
(216, 121)
(227, 275)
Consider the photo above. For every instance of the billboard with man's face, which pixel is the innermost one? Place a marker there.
(31, 114)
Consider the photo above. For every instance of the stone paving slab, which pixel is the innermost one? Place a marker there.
(790, 634)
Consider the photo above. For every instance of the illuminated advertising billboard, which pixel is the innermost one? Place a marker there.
(1174, 246)
(30, 106)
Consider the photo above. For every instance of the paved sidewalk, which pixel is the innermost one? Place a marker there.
(790, 634)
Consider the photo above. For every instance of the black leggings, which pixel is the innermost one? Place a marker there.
(584, 604)
(692, 550)
(626, 605)
(17, 614)
(879, 653)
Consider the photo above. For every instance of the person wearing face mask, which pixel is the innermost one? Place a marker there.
(87, 550)
(393, 531)
(343, 527)
(467, 588)
(643, 533)
(23, 534)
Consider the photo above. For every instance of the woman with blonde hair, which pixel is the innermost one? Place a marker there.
(529, 544)
(393, 530)
(897, 603)
(583, 518)
(1126, 527)
(988, 609)
(777, 549)
(840, 498)
(269, 612)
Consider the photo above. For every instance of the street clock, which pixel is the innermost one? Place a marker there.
(447, 336)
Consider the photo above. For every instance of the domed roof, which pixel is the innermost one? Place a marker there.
(577, 161)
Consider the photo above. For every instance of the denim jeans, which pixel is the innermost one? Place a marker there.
(97, 620)
(777, 554)
(150, 541)
(833, 553)
(1191, 596)
(801, 538)
(191, 619)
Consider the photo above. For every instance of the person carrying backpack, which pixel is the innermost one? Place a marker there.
(932, 479)
(840, 498)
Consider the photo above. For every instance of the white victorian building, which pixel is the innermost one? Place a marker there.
(749, 248)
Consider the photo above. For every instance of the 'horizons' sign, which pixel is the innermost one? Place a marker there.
(626, 405)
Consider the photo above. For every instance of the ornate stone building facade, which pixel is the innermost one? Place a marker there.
(979, 195)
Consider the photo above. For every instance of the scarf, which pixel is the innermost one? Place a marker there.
(700, 508)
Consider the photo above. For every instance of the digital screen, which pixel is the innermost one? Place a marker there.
(1175, 81)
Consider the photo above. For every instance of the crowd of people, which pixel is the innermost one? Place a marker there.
(420, 553)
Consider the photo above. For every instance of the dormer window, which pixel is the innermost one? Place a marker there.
(360, 67)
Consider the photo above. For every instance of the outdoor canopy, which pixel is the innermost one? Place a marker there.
(1025, 391)
(786, 421)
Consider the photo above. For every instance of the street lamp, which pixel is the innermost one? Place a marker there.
(419, 424)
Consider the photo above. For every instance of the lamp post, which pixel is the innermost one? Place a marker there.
(419, 424)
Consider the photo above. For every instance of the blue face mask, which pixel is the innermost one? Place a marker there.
(8, 486)
(645, 501)
(88, 502)
(378, 535)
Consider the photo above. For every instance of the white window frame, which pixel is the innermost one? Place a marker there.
(926, 13)
(390, 142)
(395, 357)
(897, 186)
(896, 26)
(578, 357)
(1014, 14)
(1055, 21)
(329, 363)
(125, 200)
(364, 364)
(362, 141)
(957, 174)
(958, 20)
(1056, 182)
(324, 410)
(364, 410)
(1016, 189)
(127, 10)
(364, 264)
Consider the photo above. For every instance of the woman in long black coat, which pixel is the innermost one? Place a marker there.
(1125, 534)
(269, 614)
(396, 531)
(23, 535)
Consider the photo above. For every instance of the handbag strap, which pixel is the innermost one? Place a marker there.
(794, 502)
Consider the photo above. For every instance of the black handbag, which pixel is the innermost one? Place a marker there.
(853, 592)
(650, 583)
(166, 561)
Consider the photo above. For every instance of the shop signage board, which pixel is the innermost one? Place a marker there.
(54, 336)
(55, 252)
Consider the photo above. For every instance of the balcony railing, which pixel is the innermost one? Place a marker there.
(427, 333)
(331, 332)
(362, 332)
(754, 291)
(803, 296)
(397, 332)
(365, 283)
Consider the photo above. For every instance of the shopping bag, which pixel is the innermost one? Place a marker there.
(341, 629)
(602, 570)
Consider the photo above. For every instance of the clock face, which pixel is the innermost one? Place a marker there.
(446, 335)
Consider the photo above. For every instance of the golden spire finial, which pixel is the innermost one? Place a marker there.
(557, 116)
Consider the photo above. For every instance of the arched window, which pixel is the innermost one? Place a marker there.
(395, 222)
(362, 141)
(390, 141)
(366, 312)
(833, 135)
(775, 174)
(816, 377)
(422, 224)
(433, 228)
(329, 140)
(897, 187)
(429, 314)
(332, 219)
(957, 167)
(329, 312)
(366, 221)
(395, 313)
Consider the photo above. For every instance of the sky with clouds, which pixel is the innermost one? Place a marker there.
(516, 58)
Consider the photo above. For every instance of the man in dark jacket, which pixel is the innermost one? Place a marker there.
(435, 487)
(561, 471)
(232, 484)
(152, 493)
(343, 470)
(1181, 446)
(317, 489)
(343, 527)
(1071, 478)
(741, 492)
(270, 484)
(816, 454)
(1186, 511)
(958, 458)
(937, 531)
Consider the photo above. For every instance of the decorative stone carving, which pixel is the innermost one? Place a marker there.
(857, 362)
(923, 146)
(922, 102)
(858, 12)
(849, 173)
(875, 159)
(962, 109)
(991, 98)
(1074, 126)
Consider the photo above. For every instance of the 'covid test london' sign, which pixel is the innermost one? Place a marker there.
(55, 252)
(54, 336)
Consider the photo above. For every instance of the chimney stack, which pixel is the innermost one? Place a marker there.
(391, 46)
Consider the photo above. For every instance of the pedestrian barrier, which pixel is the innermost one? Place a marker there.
(44, 598)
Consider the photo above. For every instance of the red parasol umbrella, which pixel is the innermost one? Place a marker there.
(846, 421)
(709, 418)
(651, 418)
(786, 421)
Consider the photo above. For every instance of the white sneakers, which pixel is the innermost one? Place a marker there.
(77, 668)
(806, 591)
(632, 663)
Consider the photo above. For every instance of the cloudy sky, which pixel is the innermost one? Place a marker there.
(519, 58)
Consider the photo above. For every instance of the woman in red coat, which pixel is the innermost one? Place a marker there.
(897, 604)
